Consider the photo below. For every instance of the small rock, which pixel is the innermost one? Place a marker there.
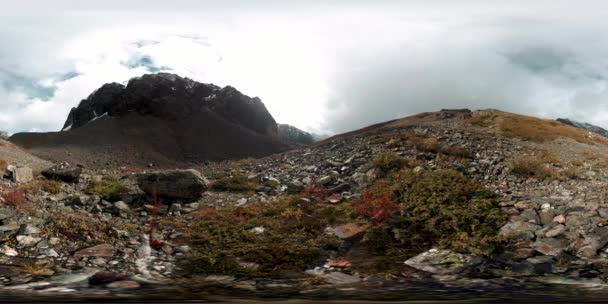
(561, 219)
(8, 251)
(550, 246)
(347, 231)
(103, 250)
(555, 231)
(443, 261)
(123, 285)
(27, 241)
(339, 278)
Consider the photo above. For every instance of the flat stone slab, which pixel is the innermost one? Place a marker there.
(103, 250)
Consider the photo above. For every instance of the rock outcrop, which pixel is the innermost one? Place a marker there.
(295, 135)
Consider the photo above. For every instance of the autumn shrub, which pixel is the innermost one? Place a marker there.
(287, 234)
(425, 143)
(15, 198)
(108, 188)
(235, 183)
(314, 192)
(50, 186)
(433, 209)
(378, 210)
(531, 166)
(84, 229)
(456, 151)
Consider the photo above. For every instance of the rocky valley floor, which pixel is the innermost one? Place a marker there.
(454, 202)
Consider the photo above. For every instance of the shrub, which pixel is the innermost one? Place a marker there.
(292, 238)
(82, 228)
(377, 210)
(456, 150)
(15, 198)
(314, 191)
(236, 183)
(531, 166)
(3, 166)
(387, 161)
(109, 188)
(435, 209)
(425, 143)
(51, 186)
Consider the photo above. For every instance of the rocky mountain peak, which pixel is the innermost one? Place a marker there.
(169, 96)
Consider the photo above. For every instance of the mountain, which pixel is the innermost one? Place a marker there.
(585, 126)
(453, 200)
(292, 134)
(162, 119)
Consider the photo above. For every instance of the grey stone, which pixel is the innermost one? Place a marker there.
(339, 278)
(519, 230)
(27, 241)
(443, 261)
(175, 184)
(550, 246)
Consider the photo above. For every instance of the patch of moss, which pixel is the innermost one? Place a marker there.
(436, 209)
(236, 183)
(291, 239)
(109, 188)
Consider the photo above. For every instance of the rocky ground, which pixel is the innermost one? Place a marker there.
(126, 231)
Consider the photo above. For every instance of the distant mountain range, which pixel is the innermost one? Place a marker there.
(584, 125)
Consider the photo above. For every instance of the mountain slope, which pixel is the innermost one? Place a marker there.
(161, 119)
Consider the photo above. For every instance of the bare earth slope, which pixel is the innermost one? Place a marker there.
(12, 154)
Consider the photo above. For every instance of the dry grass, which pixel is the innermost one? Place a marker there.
(3, 165)
(532, 128)
(33, 269)
(540, 130)
(456, 150)
(531, 166)
(50, 186)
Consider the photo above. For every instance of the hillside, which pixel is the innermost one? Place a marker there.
(449, 201)
(159, 119)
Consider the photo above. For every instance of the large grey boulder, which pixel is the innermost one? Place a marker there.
(63, 172)
(175, 184)
(443, 261)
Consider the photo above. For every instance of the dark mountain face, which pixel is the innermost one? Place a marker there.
(295, 135)
(168, 96)
(163, 119)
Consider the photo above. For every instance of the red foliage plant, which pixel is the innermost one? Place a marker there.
(378, 210)
(314, 191)
(15, 198)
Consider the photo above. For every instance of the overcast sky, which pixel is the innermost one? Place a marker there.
(323, 66)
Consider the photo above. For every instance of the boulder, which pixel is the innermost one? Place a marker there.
(63, 172)
(175, 184)
(20, 174)
(551, 246)
(443, 261)
(103, 250)
(519, 230)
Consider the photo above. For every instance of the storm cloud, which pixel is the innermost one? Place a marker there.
(324, 66)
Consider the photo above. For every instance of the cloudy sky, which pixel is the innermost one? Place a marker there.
(323, 66)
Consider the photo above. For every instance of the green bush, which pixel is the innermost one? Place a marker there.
(292, 238)
(109, 188)
(236, 183)
(436, 209)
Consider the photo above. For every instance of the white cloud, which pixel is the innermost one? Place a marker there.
(321, 66)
